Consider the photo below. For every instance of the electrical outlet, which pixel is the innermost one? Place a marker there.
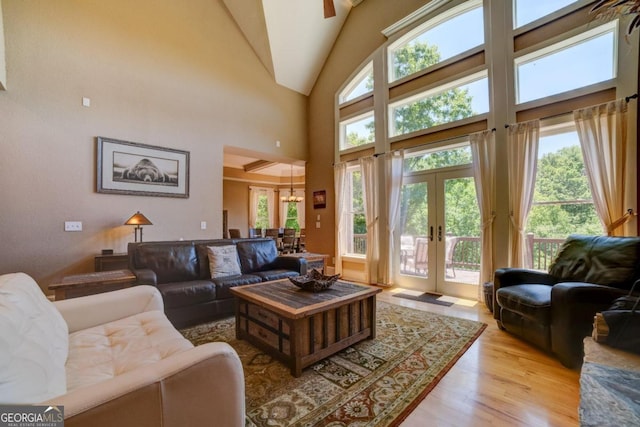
(73, 226)
(203, 225)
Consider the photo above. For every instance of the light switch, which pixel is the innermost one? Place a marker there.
(203, 225)
(86, 102)
(317, 224)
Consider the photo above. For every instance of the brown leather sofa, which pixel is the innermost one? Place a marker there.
(555, 310)
(180, 271)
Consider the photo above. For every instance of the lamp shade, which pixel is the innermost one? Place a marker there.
(138, 219)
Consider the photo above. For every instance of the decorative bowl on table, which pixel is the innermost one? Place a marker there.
(314, 281)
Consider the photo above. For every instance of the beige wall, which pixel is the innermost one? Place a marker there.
(157, 73)
(3, 68)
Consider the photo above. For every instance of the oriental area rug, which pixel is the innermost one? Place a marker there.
(373, 383)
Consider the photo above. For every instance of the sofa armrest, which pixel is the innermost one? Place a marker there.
(146, 277)
(93, 310)
(573, 306)
(504, 277)
(203, 386)
(290, 263)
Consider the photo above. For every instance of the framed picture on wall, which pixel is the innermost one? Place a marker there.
(319, 199)
(130, 168)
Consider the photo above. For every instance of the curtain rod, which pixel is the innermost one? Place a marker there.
(440, 140)
(626, 98)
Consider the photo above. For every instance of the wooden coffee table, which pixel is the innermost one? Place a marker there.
(300, 327)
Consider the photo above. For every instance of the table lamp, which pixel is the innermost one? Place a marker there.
(138, 219)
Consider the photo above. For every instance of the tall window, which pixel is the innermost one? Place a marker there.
(292, 216)
(437, 40)
(356, 223)
(562, 201)
(262, 211)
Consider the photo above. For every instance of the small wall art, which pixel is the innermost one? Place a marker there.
(319, 199)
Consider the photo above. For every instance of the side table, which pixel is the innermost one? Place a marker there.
(111, 262)
(92, 283)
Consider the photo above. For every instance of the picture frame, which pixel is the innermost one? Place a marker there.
(319, 199)
(135, 169)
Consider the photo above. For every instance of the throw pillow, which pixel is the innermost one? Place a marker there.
(223, 261)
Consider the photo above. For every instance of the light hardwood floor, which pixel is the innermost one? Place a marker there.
(500, 381)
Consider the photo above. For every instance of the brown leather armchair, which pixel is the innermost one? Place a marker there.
(555, 310)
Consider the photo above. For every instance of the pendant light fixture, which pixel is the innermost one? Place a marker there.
(292, 197)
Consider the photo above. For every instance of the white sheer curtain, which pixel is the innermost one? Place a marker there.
(602, 130)
(370, 196)
(483, 151)
(340, 178)
(301, 208)
(271, 204)
(393, 163)
(253, 206)
(522, 154)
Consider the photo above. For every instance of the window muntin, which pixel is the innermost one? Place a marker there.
(357, 131)
(356, 228)
(573, 63)
(562, 201)
(435, 159)
(361, 84)
(457, 100)
(525, 11)
(437, 40)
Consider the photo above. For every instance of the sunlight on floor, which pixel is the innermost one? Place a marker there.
(445, 298)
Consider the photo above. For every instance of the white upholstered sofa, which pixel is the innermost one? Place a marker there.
(112, 359)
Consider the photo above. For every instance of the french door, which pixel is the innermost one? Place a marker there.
(438, 243)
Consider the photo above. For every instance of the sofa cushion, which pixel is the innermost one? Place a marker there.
(275, 274)
(256, 255)
(34, 343)
(223, 261)
(531, 301)
(603, 260)
(223, 284)
(175, 262)
(180, 294)
(106, 351)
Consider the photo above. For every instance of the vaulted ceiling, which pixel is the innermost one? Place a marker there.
(291, 37)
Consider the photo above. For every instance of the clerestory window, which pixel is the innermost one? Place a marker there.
(437, 40)
(457, 100)
(573, 63)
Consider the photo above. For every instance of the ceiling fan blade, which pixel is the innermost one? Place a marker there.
(329, 9)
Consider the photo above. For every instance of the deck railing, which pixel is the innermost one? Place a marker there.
(466, 251)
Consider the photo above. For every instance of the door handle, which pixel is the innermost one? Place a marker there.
(431, 233)
(439, 233)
